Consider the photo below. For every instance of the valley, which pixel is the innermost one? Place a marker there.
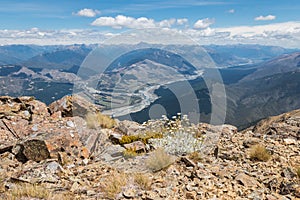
(259, 80)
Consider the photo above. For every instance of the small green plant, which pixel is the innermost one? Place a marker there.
(142, 181)
(130, 153)
(150, 135)
(159, 160)
(127, 139)
(93, 120)
(259, 152)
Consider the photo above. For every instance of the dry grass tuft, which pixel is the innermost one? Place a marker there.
(259, 152)
(298, 171)
(28, 191)
(94, 120)
(195, 156)
(159, 160)
(2, 187)
(62, 196)
(91, 120)
(143, 181)
(112, 185)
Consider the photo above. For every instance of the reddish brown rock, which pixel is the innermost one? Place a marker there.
(72, 106)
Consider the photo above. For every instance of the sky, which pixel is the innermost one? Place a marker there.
(267, 22)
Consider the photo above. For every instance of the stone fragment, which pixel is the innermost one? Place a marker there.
(129, 193)
(35, 128)
(54, 167)
(111, 153)
(287, 188)
(129, 127)
(297, 191)
(75, 187)
(188, 162)
(289, 141)
(250, 142)
(191, 195)
(74, 105)
(288, 173)
(246, 180)
(115, 138)
(70, 124)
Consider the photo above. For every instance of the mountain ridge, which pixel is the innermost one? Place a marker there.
(79, 158)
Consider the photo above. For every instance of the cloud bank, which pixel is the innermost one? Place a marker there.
(285, 34)
(122, 21)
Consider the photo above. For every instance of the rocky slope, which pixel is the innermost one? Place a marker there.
(68, 150)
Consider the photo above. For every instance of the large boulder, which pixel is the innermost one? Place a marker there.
(33, 149)
(74, 105)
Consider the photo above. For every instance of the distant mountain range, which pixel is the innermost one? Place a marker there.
(60, 56)
(259, 80)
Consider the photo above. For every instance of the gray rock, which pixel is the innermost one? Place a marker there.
(54, 167)
(70, 124)
(111, 153)
(35, 128)
(288, 173)
(129, 127)
(250, 142)
(129, 193)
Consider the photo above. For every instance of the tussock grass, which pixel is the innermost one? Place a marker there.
(28, 191)
(94, 120)
(298, 171)
(195, 156)
(112, 185)
(2, 187)
(259, 153)
(143, 181)
(33, 191)
(159, 160)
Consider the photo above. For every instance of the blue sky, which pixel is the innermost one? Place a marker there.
(196, 17)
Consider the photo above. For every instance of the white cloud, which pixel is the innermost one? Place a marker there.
(86, 12)
(182, 21)
(122, 21)
(265, 18)
(167, 23)
(203, 23)
(231, 11)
